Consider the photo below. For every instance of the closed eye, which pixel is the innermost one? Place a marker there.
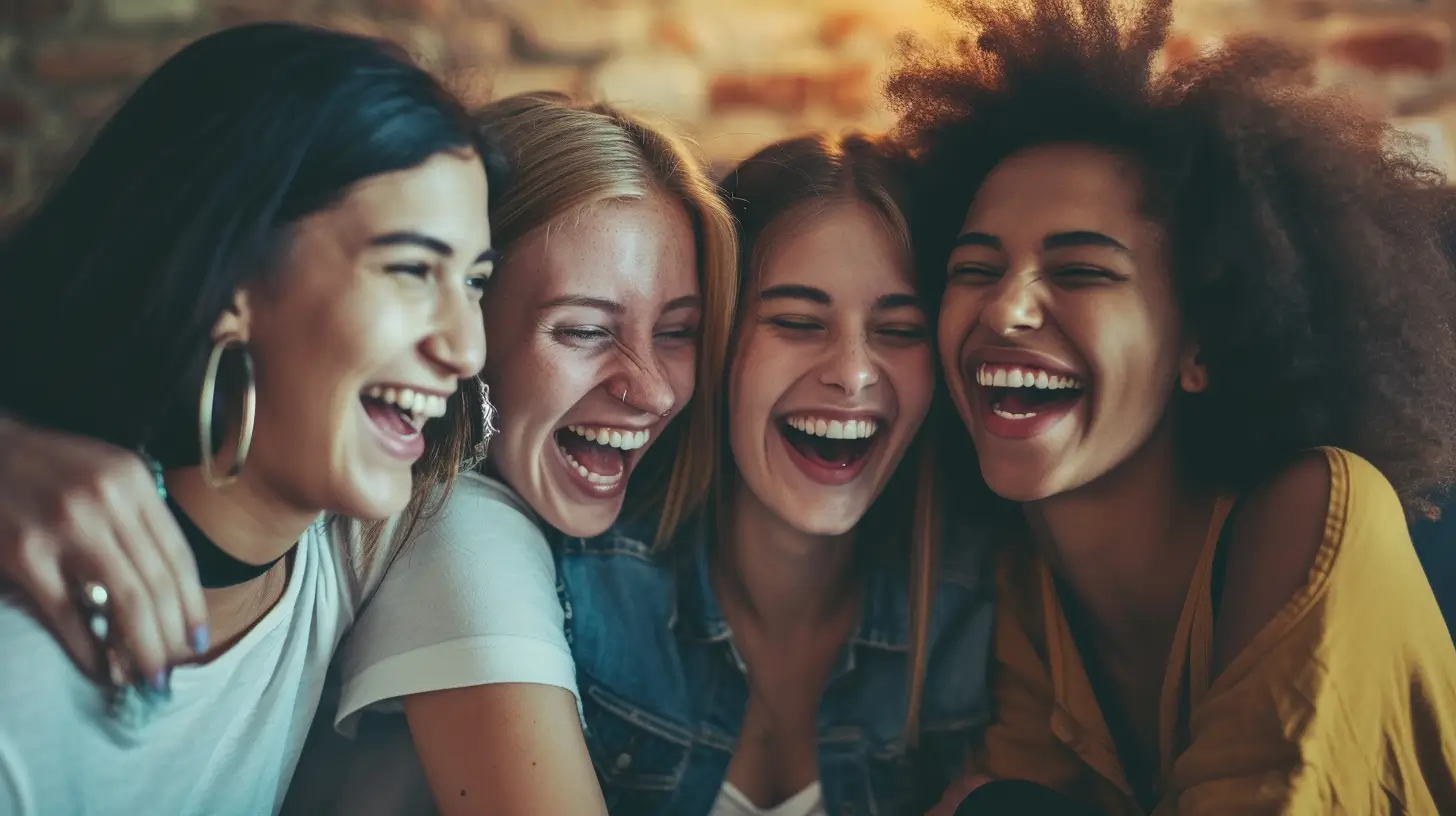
(1087, 274)
(415, 270)
(972, 273)
(683, 333)
(793, 323)
(906, 332)
(584, 333)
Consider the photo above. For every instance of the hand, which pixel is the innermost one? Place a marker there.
(73, 510)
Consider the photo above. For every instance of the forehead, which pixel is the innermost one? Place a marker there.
(844, 247)
(626, 248)
(1059, 187)
(446, 194)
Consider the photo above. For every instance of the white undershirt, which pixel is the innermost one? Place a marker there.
(732, 802)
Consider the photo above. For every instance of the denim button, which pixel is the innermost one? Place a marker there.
(624, 761)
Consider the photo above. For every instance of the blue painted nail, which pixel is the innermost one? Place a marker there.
(200, 639)
(162, 682)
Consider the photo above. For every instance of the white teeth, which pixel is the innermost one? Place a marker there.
(1008, 415)
(419, 405)
(1013, 377)
(834, 428)
(594, 478)
(612, 437)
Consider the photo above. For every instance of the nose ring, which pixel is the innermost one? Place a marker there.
(624, 396)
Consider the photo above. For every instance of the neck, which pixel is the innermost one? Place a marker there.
(1127, 544)
(788, 580)
(249, 523)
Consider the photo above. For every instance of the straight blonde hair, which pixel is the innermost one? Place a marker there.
(769, 194)
(567, 156)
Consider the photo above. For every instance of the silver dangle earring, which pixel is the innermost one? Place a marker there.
(487, 421)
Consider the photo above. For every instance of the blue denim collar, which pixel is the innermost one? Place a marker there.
(884, 616)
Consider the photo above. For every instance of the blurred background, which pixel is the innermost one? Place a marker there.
(733, 74)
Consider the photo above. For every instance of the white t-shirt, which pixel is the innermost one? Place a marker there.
(225, 743)
(471, 601)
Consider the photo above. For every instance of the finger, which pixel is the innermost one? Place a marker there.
(163, 596)
(129, 497)
(43, 583)
(132, 611)
(162, 528)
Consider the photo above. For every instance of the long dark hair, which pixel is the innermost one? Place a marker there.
(110, 287)
(1305, 237)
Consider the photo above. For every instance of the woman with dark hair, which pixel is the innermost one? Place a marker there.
(263, 277)
(1197, 324)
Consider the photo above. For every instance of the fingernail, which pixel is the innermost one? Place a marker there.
(162, 682)
(200, 639)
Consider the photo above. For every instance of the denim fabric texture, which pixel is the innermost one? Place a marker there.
(664, 688)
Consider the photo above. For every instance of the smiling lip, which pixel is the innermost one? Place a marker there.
(596, 491)
(1006, 355)
(405, 447)
(1041, 420)
(828, 474)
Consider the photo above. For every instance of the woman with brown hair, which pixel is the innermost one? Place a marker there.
(1197, 323)
(799, 648)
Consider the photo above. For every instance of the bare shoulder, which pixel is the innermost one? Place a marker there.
(1278, 533)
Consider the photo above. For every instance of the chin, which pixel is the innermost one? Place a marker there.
(378, 499)
(825, 522)
(1014, 483)
(584, 522)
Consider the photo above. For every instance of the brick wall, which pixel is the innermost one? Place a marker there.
(734, 73)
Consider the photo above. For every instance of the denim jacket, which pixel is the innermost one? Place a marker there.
(664, 689)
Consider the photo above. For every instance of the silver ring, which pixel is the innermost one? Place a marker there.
(624, 396)
(96, 606)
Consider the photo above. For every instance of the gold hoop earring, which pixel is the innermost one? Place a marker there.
(204, 415)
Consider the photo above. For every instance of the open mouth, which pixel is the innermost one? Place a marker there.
(1025, 396)
(830, 444)
(400, 413)
(599, 456)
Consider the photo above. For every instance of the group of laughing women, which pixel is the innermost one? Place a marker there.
(1057, 451)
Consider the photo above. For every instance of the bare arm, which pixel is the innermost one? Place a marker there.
(505, 749)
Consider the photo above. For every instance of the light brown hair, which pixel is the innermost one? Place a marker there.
(770, 194)
(567, 156)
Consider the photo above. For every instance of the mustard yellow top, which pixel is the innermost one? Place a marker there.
(1345, 702)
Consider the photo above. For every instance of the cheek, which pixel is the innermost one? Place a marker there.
(912, 372)
(957, 319)
(681, 366)
(310, 365)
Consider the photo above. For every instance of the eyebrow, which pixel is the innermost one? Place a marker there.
(608, 306)
(435, 245)
(615, 308)
(794, 291)
(1057, 240)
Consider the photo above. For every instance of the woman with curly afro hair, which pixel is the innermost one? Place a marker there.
(1198, 323)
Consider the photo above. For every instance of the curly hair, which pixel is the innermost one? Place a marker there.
(1307, 239)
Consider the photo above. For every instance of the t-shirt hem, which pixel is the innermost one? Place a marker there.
(476, 661)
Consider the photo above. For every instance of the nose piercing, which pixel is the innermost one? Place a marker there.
(624, 396)
(668, 411)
